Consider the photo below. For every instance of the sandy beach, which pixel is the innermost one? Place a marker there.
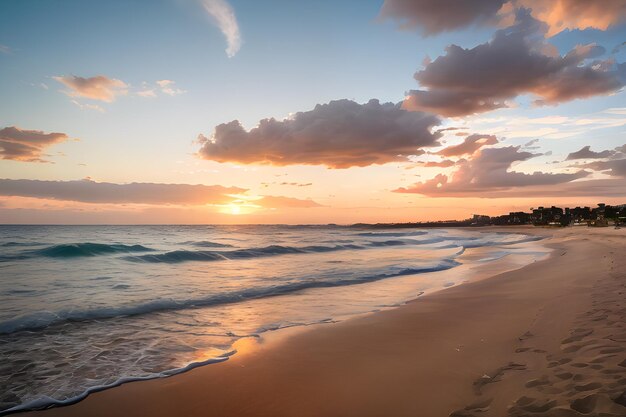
(545, 340)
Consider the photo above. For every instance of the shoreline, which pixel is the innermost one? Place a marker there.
(369, 364)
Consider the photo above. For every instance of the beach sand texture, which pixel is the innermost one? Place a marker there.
(545, 340)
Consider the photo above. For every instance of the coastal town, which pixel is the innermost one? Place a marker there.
(603, 215)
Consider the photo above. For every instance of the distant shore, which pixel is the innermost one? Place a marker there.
(547, 339)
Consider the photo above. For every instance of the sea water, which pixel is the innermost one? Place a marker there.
(83, 308)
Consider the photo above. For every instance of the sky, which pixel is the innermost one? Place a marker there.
(240, 111)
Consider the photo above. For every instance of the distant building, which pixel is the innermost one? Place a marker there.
(549, 216)
(541, 216)
(580, 215)
(599, 216)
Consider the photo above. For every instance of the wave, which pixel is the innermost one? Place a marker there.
(45, 402)
(19, 244)
(70, 250)
(44, 319)
(207, 256)
(481, 243)
(395, 243)
(208, 244)
(391, 234)
(178, 256)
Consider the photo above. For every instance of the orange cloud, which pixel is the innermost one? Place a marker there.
(435, 16)
(471, 144)
(446, 163)
(577, 14)
(91, 192)
(26, 145)
(96, 88)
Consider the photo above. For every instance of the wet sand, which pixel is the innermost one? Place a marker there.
(545, 340)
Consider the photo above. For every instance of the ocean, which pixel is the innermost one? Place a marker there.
(83, 308)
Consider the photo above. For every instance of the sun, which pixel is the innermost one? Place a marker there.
(235, 209)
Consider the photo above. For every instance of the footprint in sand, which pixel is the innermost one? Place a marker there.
(537, 406)
(600, 404)
(537, 382)
(577, 336)
(579, 365)
(588, 387)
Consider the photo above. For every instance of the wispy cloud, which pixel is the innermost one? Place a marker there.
(161, 86)
(87, 106)
(167, 87)
(96, 88)
(223, 15)
(92, 192)
(4, 49)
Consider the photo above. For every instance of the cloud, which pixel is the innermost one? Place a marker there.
(5, 49)
(560, 15)
(603, 188)
(167, 87)
(286, 202)
(26, 145)
(87, 106)
(435, 16)
(340, 134)
(614, 168)
(88, 191)
(163, 86)
(96, 88)
(618, 47)
(516, 61)
(446, 163)
(223, 15)
(147, 92)
(587, 153)
(532, 144)
(471, 144)
(488, 171)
